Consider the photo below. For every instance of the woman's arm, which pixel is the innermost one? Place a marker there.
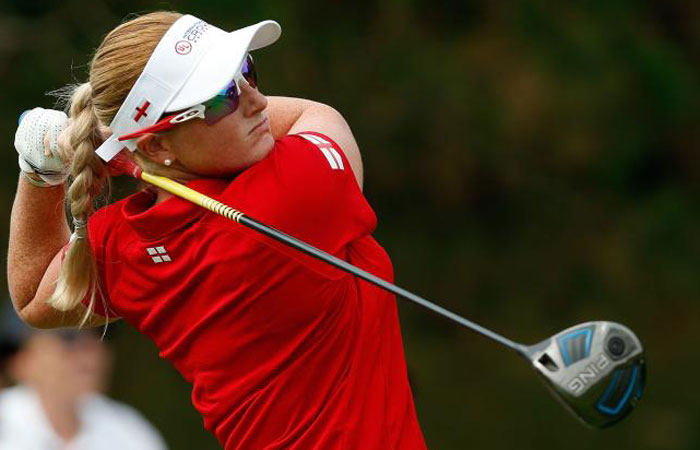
(38, 230)
(38, 233)
(294, 115)
(284, 112)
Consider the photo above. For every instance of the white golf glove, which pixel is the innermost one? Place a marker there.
(36, 141)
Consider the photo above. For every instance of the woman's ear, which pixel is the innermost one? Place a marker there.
(155, 147)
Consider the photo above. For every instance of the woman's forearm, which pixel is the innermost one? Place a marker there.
(38, 230)
(284, 112)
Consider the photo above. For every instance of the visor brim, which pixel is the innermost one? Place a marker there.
(222, 61)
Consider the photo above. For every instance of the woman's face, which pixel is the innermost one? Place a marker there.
(232, 144)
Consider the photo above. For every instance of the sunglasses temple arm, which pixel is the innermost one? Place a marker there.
(162, 125)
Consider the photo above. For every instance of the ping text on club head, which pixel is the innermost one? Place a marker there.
(589, 374)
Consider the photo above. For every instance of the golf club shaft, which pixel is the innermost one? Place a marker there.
(344, 265)
(217, 207)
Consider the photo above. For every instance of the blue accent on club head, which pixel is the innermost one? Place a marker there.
(625, 398)
(640, 388)
(611, 386)
(563, 339)
(589, 338)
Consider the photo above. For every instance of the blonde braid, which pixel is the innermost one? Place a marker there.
(78, 276)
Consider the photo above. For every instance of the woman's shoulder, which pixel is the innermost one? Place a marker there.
(309, 153)
(307, 165)
(305, 187)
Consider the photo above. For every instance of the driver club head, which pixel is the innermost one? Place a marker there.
(596, 369)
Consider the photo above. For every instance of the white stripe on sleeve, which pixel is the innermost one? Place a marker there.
(330, 158)
(312, 138)
(331, 154)
(337, 157)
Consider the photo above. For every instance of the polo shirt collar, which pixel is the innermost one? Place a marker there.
(152, 222)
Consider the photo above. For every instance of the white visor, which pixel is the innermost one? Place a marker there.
(192, 63)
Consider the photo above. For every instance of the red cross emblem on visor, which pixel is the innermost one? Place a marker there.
(141, 111)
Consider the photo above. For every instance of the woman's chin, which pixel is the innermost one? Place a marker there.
(263, 147)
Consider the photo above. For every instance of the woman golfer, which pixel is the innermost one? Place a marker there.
(283, 351)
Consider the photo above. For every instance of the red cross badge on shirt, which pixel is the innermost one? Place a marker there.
(141, 110)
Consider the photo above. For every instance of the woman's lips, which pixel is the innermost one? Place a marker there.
(258, 126)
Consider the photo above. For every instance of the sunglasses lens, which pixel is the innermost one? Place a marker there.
(227, 101)
(222, 105)
(248, 71)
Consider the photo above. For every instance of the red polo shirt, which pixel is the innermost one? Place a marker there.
(283, 351)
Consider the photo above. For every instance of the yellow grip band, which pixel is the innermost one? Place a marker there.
(195, 197)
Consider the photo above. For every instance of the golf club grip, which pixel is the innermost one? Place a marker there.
(222, 209)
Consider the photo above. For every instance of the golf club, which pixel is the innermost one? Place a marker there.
(596, 369)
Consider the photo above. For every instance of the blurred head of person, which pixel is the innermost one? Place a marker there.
(65, 363)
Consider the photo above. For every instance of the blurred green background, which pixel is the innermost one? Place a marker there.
(533, 165)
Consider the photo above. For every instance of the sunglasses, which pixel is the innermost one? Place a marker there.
(224, 103)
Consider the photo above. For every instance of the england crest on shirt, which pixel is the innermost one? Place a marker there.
(158, 254)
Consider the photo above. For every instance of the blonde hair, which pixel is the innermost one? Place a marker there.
(117, 63)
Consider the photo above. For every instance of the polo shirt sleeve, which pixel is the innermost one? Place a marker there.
(314, 194)
(97, 229)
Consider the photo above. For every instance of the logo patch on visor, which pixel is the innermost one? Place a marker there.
(196, 31)
(141, 111)
(183, 47)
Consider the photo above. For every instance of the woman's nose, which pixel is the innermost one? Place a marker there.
(252, 101)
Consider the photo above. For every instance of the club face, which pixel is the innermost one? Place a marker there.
(597, 369)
